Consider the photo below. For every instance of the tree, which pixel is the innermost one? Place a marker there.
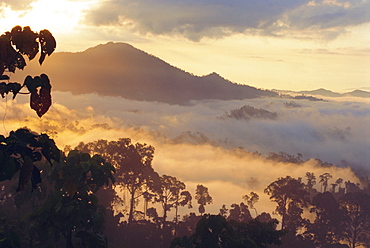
(172, 195)
(224, 211)
(210, 232)
(239, 213)
(290, 194)
(311, 180)
(262, 234)
(203, 197)
(72, 207)
(327, 226)
(324, 178)
(216, 231)
(133, 163)
(24, 42)
(251, 199)
(356, 207)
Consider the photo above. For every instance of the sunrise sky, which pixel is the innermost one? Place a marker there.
(271, 44)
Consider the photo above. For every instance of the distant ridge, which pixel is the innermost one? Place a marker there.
(119, 69)
(328, 93)
(321, 92)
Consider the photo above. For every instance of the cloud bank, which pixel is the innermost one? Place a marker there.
(197, 144)
(17, 4)
(197, 19)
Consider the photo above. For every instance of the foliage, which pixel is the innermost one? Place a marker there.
(328, 223)
(16, 44)
(19, 152)
(262, 233)
(133, 163)
(356, 207)
(239, 213)
(216, 231)
(72, 207)
(172, 195)
(290, 195)
(203, 197)
(251, 199)
(324, 178)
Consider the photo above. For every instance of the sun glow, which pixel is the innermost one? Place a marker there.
(59, 16)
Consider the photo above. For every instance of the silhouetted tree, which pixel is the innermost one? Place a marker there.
(311, 180)
(172, 195)
(327, 226)
(285, 157)
(339, 181)
(215, 231)
(289, 193)
(262, 234)
(351, 187)
(356, 207)
(251, 199)
(224, 211)
(239, 213)
(324, 178)
(133, 163)
(203, 198)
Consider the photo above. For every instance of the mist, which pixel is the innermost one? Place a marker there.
(202, 143)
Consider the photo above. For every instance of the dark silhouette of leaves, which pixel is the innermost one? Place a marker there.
(15, 44)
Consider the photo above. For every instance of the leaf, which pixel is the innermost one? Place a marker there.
(49, 148)
(29, 83)
(4, 77)
(47, 43)
(15, 88)
(41, 101)
(25, 173)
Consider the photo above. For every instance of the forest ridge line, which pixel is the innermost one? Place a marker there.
(119, 69)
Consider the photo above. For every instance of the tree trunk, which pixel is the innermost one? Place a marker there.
(132, 206)
(69, 243)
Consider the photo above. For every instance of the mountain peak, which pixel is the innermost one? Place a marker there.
(119, 69)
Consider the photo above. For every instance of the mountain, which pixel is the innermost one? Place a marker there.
(321, 92)
(119, 69)
(358, 93)
(327, 93)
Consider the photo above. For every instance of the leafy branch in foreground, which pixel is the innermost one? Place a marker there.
(16, 44)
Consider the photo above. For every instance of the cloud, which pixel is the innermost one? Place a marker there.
(197, 19)
(332, 131)
(195, 145)
(18, 4)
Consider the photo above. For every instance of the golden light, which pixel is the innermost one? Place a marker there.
(59, 16)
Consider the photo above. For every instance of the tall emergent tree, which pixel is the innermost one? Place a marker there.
(203, 197)
(290, 195)
(328, 224)
(172, 195)
(324, 178)
(251, 199)
(356, 207)
(133, 163)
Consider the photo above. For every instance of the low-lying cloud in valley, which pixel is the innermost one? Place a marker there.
(202, 143)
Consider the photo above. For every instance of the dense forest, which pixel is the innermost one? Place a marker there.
(107, 194)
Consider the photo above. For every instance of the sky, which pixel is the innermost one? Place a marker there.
(271, 44)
